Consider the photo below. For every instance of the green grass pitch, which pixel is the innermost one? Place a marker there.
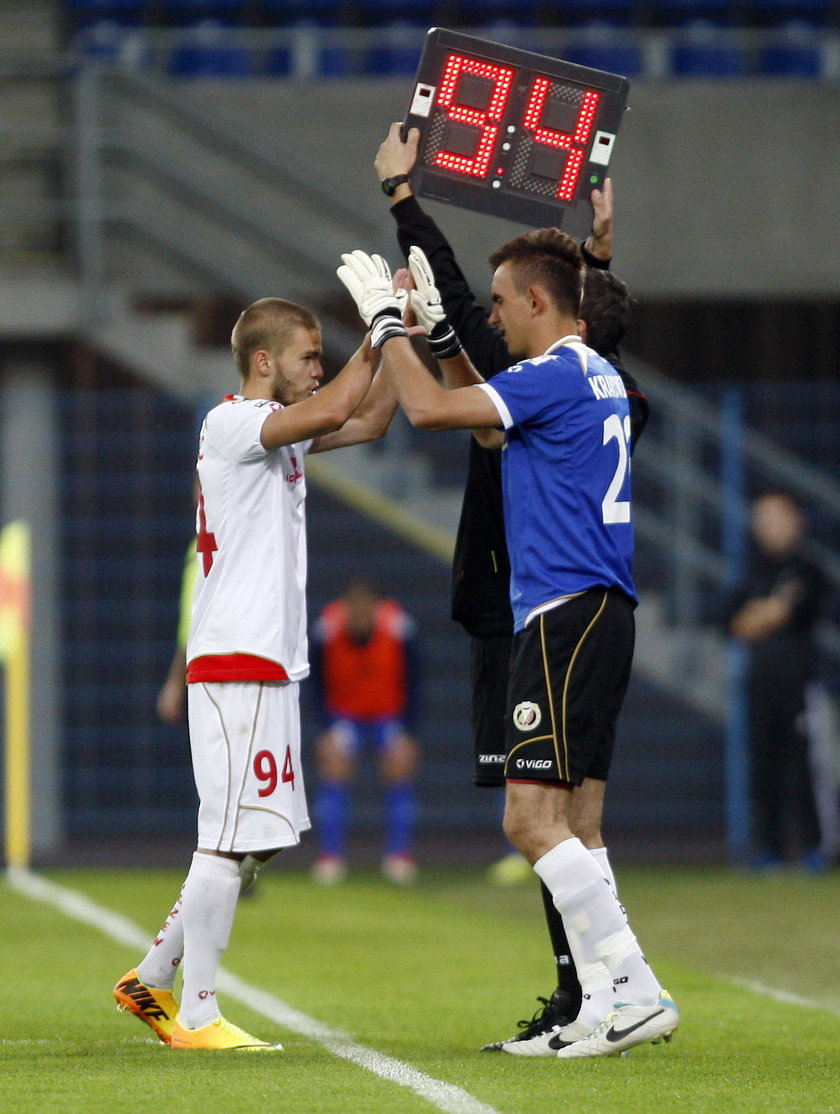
(425, 975)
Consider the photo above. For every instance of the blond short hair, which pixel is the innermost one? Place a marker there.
(267, 324)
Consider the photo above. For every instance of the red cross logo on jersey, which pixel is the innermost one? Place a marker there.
(205, 542)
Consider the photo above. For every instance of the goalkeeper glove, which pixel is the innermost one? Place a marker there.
(368, 279)
(428, 308)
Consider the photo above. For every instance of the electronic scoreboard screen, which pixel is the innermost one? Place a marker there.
(512, 133)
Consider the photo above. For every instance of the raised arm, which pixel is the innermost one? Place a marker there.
(482, 341)
(426, 403)
(369, 421)
(328, 409)
(598, 245)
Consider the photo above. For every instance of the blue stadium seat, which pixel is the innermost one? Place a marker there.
(701, 49)
(397, 10)
(83, 12)
(191, 11)
(678, 11)
(281, 12)
(794, 50)
(585, 11)
(774, 11)
(478, 11)
(206, 51)
(604, 46)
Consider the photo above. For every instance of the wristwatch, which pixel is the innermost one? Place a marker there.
(389, 185)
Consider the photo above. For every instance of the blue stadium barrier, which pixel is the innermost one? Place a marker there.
(603, 46)
(399, 55)
(331, 60)
(108, 40)
(702, 51)
(794, 51)
(206, 51)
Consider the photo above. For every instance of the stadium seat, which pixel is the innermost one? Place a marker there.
(369, 13)
(701, 49)
(82, 12)
(793, 50)
(282, 12)
(678, 11)
(604, 46)
(205, 50)
(586, 11)
(770, 12)
(475, 12)
(191, 11)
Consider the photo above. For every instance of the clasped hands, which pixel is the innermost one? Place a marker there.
(382, 306)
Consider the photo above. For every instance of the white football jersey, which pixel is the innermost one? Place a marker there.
(249, 608)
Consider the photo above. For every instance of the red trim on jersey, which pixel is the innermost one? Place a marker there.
(234, 667)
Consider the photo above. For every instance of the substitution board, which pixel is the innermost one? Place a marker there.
(510, 132)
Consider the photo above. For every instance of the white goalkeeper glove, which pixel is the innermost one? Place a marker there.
(428, 308)
(368, 279)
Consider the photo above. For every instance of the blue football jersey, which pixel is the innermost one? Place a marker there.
(565, 476)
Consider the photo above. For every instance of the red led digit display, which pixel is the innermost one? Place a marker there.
(512, 133)
(485, 121)
(574, 142)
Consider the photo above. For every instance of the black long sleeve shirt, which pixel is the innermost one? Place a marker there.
(481, 566)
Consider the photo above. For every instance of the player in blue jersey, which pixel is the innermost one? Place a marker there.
(561, 417)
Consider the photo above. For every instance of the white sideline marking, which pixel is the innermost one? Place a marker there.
(785, 996)
(445, 1096)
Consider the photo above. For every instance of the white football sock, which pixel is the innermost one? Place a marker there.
(595, 922)
(159, 966)
(210, 894)
(599, 854)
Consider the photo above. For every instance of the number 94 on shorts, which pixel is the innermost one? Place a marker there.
(245, 742)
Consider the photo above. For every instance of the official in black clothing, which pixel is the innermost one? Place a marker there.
(774, 612)
(481, 567)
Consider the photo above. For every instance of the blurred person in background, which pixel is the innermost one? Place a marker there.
(172, 698)
(774, 612)
(364, 679)
(481, 566)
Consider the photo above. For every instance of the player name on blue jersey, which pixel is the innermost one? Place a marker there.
(607, 386)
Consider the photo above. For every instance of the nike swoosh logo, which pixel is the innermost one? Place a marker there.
(614, 1034)
(556, 1042)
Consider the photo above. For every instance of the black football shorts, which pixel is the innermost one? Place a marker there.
(568, 676)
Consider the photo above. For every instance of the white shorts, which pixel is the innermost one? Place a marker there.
(245, 741)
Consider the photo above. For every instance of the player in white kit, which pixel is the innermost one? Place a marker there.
(247, 649)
